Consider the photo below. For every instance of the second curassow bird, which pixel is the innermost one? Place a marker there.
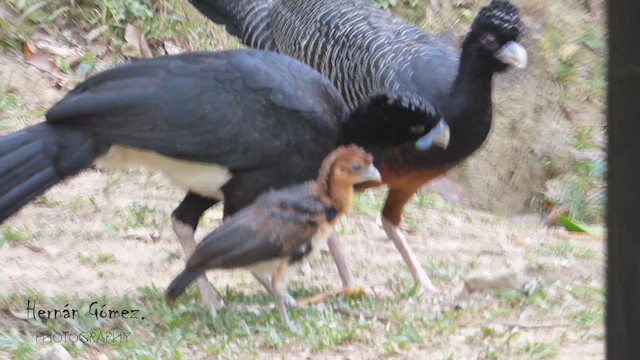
(365, 51)
(229, 124)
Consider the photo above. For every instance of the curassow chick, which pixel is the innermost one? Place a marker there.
(282, 226)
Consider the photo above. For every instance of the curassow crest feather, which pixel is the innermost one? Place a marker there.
(501, 14)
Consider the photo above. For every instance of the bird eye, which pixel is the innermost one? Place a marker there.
(489, 41)
(356, 167)
(418, 129)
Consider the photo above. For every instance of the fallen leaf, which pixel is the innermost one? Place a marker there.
(99, 49)
(36, 249)
(54, 48)
(517, 240)
(29, 50)
(574, 225)
(567, 51)
(42, 61)
(136, 43)
(172, 49)
(95, 33)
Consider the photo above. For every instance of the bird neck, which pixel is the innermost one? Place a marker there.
(475, 74)
(336, 193)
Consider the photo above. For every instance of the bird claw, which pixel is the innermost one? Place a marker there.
(294, 328)
(428, 290)
(290, 301)
(208, 297)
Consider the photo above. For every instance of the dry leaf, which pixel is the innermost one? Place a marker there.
(29, 49)
(95, 33)
(567, 51)
(517, 240)
(54, 48)
(172, 49)
(99, 49)
(136, 45)
(44, 63)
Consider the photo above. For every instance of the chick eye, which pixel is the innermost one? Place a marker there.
(356, 167)
(489, 41)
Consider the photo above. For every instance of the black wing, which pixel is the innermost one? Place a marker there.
(240, 109)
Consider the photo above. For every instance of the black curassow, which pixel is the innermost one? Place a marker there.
(229, 124)
(365, 51)
(282, 227)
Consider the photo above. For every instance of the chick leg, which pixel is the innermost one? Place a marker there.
(185, 220)
(278, 283)
(265, 280)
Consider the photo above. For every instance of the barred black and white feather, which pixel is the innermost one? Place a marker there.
(363, 50)
(246, 19)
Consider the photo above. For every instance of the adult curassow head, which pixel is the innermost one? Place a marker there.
(281, 227)
(229, 124)
(367, 53)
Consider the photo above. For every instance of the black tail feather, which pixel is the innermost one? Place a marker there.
(36, 158)
(180, 284)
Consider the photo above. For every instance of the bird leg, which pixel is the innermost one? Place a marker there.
(278, 280)
(185, 220)
(265, 280)
(208, 297)
(419, 275)
(338, 257)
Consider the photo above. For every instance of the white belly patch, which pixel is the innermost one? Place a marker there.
(204, 179)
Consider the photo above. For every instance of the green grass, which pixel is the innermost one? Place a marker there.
(583, 188)
(91, 260)
(166, 332)
(369, 203)
(566, 248)
(141, 215)
(585, 319)
(14, 235)
(541, 350)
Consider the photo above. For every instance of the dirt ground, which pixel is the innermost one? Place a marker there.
(99, 213)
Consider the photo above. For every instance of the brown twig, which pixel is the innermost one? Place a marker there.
(536, 326)
(568, 113)
(356, 314)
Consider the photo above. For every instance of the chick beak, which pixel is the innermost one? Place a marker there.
(370, 174)
(438, 136)
(513, 54)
